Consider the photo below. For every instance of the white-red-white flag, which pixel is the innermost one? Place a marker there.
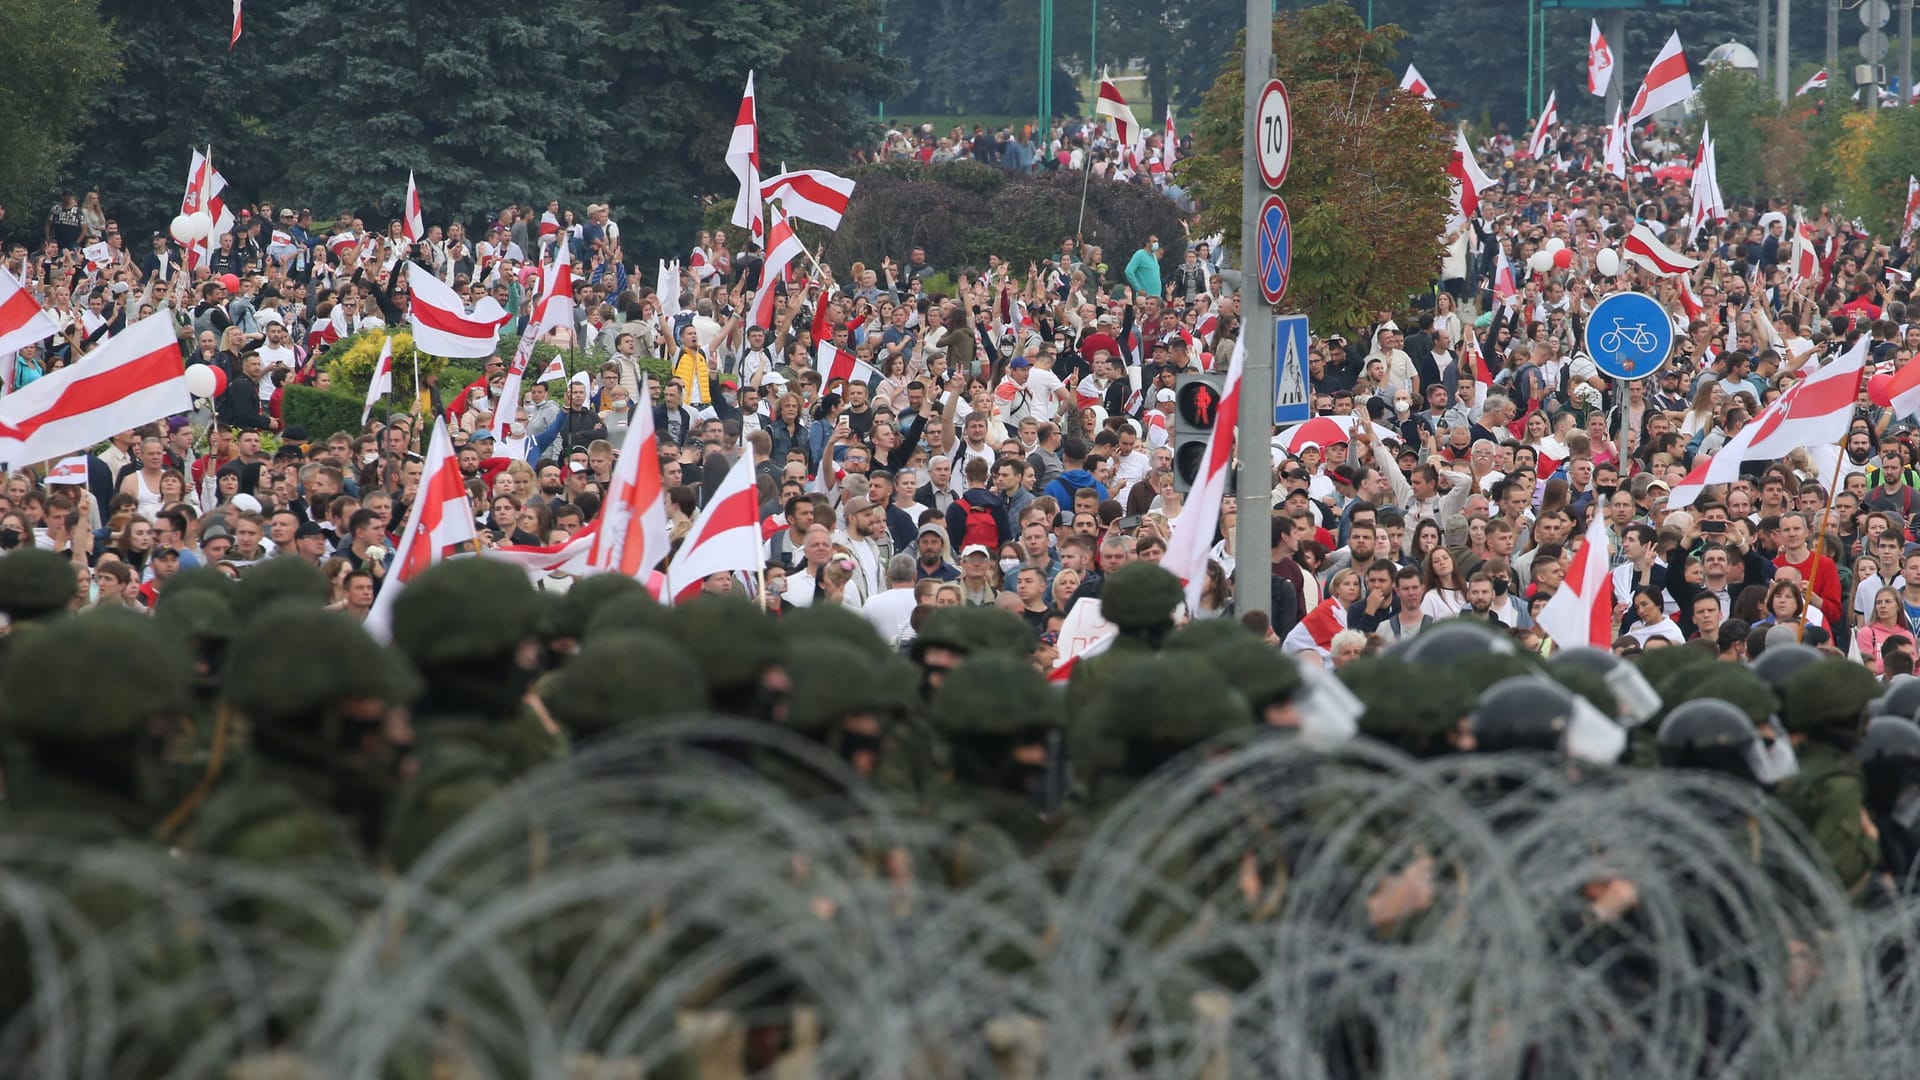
(1818, 82)
(135, 378)
(441, 324)
(1110, 104)
(549, 224)
(1599, 62)
(412, 223)
(1169, 142)
(205, 186)
(1690, 302)
(382, 382)
(71, 471)
(633, 535)
(1616, 152)
(440, 520)
(1549, 119)
(1645, 247)
(235, 39)
(554, 309)
(1191, 544)
(1668, 82)
(1505, 282)
(1581, 612)
(23, 321)
(782, 248)
(841, 365)
(814, 195)
(1815, 411)
(724, 536)
(1905, 390)
(569, 557)
(1412, 83)
(1803, 262)
(743, 157)
(1469, 180)
(1910, 220)
(1708, 207)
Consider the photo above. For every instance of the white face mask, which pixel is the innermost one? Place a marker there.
(1008, 566)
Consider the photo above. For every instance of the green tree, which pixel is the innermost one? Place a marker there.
(1178, 45)
(677, 73)
(183, 89)
(1367, 189)
(489, 101)
(1738, 112)
(55, 55)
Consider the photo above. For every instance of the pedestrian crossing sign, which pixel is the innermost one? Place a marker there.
(1291, 403)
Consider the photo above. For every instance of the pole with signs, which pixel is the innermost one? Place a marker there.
(1266, 144)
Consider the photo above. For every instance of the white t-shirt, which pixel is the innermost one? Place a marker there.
(1042, 385)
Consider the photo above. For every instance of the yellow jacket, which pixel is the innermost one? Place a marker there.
(693, 372)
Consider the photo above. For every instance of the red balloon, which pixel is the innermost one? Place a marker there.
(219, 380)
(230, 283)
(1877, 391)
(1563, 259)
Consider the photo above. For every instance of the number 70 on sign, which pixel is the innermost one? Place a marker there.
(1274, 133)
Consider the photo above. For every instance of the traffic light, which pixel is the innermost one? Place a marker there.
(1196, 409)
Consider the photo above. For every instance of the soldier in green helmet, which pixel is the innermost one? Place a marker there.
(1002, 724)
(1147, 712)
(1140, 599)
(623, 678)
(1825, 709)
(35, 586)
(737, 649)
(201, 620)
(847, 700)
(471, 628)
(278, 580)
(326, 754)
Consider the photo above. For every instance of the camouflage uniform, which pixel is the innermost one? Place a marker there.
(1825, 710)
(35, 586)
(471, 629)
(1139, 599)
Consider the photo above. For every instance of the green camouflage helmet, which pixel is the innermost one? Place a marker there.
(1829, 698)
(839, 623)
(195, 613)
(588, 595)
(55, 684)
(945, 628)
(1140, 596)
(465, 609)
(278, 579)
(35, 584)
(1588, 684)
(1659, 666)
(1202, 635)
(297, 661)
(732, 641)
(994, 695)
(1262, 675)
(1734, 684)
(199, 579)
(1177, 702)
(832, 680)
(624, 611)
(625, 676)
(988, 629)
(1481, 670)
(1414, 722)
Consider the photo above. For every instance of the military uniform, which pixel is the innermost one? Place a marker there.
(1825, 710)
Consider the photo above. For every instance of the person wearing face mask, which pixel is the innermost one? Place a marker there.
(1143, 269)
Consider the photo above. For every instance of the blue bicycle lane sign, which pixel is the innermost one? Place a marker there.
(1629, 335)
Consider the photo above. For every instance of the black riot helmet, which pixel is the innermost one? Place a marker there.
(1451, 640)
(1901, 699)
(1779, 664)
(1532, 712)
(1709, 735)
(1889, 756)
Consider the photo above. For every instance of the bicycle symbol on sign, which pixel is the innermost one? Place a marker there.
(1637, 335)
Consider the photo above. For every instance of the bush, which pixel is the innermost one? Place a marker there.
(964, 212)
(350, 361)
(323, 412)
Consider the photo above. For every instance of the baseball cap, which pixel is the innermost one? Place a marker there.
(1165, 397)
(975, 549)
(480, 436)
(858, 504)
(247, 503)
(308, 528)
(1656, 482)
(166, 553)
(933, 527)
(1021, 362)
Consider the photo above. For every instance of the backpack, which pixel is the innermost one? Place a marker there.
(981, 528)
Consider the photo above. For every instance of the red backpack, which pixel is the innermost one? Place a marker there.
(981, 528)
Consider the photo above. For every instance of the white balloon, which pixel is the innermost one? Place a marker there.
(202, 224)
(182, 228)
(1555, 244)
(1540, 262)
(200, 381)
(1608, 261)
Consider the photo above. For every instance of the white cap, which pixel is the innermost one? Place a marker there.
(247, 503)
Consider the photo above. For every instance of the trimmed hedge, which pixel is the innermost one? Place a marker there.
(323, 412)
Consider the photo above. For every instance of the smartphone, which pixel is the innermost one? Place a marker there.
(1713, 526)
(1128, 524)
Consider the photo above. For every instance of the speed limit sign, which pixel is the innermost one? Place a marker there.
(1274, 133)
